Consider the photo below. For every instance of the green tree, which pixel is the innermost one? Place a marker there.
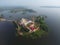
(1, 16)
(41, 21)
(10, 17)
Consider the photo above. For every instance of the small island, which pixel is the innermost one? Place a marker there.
(33, 28)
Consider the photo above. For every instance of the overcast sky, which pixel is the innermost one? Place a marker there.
(30, 3)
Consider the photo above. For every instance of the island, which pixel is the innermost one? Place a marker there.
(33, 28)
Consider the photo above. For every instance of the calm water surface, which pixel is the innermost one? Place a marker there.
(53, 21)
(7, 33)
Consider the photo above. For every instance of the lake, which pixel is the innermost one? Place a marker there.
(53, 21)
(7, 33)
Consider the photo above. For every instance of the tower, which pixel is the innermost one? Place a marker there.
(33, 19)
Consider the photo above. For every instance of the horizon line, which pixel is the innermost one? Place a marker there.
(50, 6)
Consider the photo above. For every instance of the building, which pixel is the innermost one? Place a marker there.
(29, 24)
(2, 19)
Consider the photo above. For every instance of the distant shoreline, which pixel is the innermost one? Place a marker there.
(49, 6)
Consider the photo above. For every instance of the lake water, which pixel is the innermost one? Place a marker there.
(7, 33)
(53, 21)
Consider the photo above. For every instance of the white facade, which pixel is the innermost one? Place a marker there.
(3, 19)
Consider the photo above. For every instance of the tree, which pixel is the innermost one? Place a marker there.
(10, 17)
(41, 21)
(1, 16)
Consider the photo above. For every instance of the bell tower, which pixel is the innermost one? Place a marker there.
(33, 19)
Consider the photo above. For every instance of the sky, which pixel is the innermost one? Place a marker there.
(30, 3)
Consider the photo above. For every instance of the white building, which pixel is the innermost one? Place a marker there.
(2, 19)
